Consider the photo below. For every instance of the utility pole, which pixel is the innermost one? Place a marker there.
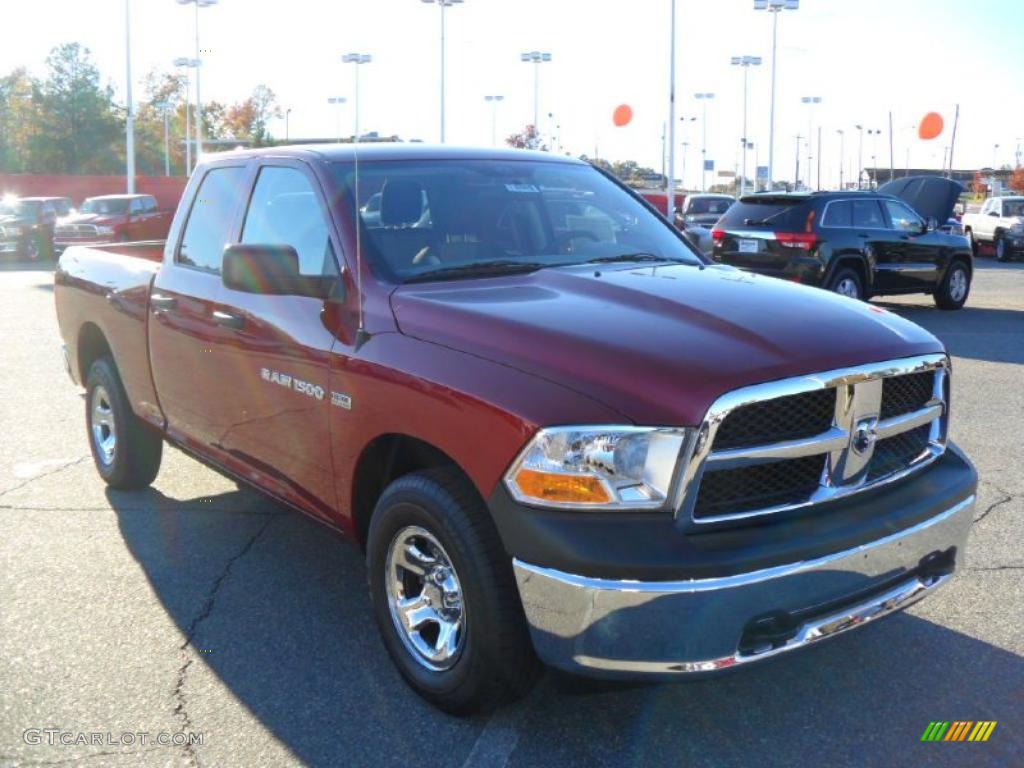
(129, 144)
(796, 175)
(670, 184)
(819, 158)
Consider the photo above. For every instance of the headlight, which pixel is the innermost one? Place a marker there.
(598, 467)
(104, 230)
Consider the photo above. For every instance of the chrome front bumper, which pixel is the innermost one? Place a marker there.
(615, 628)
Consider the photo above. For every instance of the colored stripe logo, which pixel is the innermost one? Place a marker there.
(958, 730)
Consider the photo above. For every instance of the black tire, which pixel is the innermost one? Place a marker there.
(1002, 249)
(134, 460)
(495, 660)
(948, 295)
(33, 247)
(847, 279)
(969, 234)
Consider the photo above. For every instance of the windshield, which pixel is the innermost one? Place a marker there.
(443, 219)
(717, 205)
(18, 207)
(99, 205)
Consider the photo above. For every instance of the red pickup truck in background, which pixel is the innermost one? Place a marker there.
(556, 429)
(113, 219)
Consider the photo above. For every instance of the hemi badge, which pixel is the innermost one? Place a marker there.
(342, 401)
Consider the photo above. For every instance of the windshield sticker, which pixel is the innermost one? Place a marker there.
(529, 189)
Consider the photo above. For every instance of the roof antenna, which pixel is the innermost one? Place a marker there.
(361, 334)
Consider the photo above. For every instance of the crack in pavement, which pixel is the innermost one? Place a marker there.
(1007, 496)
(997, 568)
(40, 476)
(208, 605)
(22, 508)
(79, 758)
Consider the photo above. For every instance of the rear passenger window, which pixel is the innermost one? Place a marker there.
(208, 228)
(284, 210)
(866, 213)
(838, 214)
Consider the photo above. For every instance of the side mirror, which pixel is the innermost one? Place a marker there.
(272, 270)
(994, 213)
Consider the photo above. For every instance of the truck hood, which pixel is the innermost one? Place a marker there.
(659, 343)
(931, 196)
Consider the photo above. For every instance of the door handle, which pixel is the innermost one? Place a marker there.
(229, 319)
(161, 302)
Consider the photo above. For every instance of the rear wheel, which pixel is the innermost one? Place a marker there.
(444, 594)
(126, 453)
(846, 282)
(1002, 250)
(32, 248)
(955, 287)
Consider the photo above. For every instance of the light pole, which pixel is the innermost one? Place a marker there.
(703, 98)
(443, 4)
(875, 133)
(494, 101)
(810, 101)
(842, 155)
(860, 155)
(287, 117)
(1016, 153)
(338, 100)
(198, 59)
(536, 58)
(165, 107)
(129, 139)
(995, 156)
(796, 173)
(746, 62)
(358, 59)
(187, 64)
(682, 174)
(774, 7)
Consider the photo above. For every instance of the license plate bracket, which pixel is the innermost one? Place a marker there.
(746, 245)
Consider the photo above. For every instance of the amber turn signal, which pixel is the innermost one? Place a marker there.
(550, 486)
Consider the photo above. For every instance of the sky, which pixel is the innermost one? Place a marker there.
(862, 57)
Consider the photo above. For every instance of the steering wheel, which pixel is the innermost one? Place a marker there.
(565, 239)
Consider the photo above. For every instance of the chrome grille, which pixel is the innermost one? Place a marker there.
(788, 444)
(76, 230)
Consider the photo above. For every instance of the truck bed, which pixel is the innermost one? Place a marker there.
(106, 289)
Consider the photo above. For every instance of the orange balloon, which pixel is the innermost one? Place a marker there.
(931, 126)
(622, 115)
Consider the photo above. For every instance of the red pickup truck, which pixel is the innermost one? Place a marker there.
(557, 431)
(113, 219)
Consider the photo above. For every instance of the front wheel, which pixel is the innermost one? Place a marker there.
(444, 594)
(126, 453)
(955, 286)
(846, 282)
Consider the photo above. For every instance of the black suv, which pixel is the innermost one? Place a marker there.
(27, 225)
(858, 244)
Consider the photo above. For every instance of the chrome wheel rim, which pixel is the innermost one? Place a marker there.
(958, 284)
(104, 436)
(848, 287)
(32, 249)
(425, 599)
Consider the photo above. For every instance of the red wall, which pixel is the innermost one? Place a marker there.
(166, 189)
(660, 199)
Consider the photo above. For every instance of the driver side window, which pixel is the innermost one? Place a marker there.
(284, 210)
(901, 217)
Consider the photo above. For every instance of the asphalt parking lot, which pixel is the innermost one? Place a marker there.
(203, 607)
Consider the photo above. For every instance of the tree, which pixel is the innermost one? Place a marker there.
(78, 125)
(1017, 179)
(18, 119)
(528, 138)
(249, 119)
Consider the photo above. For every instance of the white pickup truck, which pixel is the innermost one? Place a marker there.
(999, 222)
